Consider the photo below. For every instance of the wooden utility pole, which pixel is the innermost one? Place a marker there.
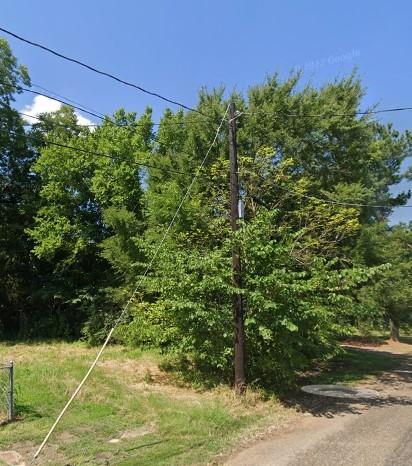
(240, 379)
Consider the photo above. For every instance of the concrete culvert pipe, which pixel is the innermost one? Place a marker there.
(341, 391)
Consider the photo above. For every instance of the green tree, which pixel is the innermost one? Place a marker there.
(85, 192)
(18, 188)
(390, 296)
(301, 277)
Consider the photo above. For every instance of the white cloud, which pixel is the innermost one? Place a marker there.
(42, 104)
(39, 105)
(83, 121)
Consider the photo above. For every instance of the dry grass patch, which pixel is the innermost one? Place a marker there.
(151, 418)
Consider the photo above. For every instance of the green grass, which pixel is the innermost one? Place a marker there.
(356, 365)
(127, 392)
(184, 426)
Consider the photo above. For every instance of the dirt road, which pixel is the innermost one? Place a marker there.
(377, 433)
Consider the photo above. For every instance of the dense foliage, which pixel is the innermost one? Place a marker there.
(81, 221)
(389, 298)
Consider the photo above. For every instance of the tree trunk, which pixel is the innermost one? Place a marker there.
(394, 325)
(23, 325)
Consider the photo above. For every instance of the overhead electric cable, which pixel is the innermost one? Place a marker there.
(155, 94)
(53, 123)
(137, 123)
(25, 89)
(361, 112)
(101, 72)
(333, 201)
(66, 98)
(102, 116)
(85, 151)
(348, 204)
(327, 114)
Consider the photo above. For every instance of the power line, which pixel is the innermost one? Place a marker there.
(327, 114)
(180, 123)
(65, 103)
(137, 123)
(101, 116)
(62, 125)
(348, 204)
(57, 124)
(328, 201)
(66, 98)
(293, 115)
(103, 73)
(155, 94)
(25, 89)
(333, 201)
(78, 149)
(126, 307)
(128, 125)
(53, 123)
(364, 112)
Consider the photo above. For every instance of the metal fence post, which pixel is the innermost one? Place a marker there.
(11, 389)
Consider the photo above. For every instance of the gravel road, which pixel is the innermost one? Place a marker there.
(363, 434)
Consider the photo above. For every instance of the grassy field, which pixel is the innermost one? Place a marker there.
(356, 365)
(363, 359)
(129, 412)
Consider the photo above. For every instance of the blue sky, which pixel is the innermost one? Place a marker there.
(175, 47)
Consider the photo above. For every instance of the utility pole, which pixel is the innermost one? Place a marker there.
(240, 379)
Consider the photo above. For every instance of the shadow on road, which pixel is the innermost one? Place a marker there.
(393, 374)
(331, 407)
